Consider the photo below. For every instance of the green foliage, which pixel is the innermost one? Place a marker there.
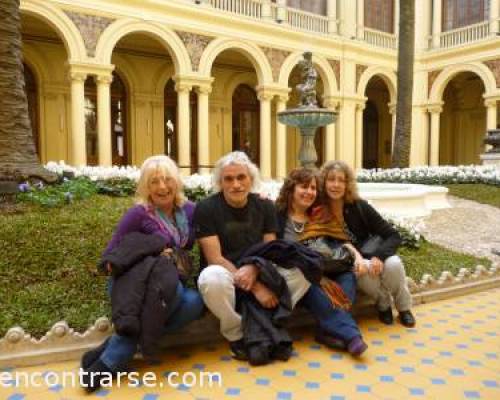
(482, 193)
(58, 194)
(196, 194)
(117, 187)
(433, 259)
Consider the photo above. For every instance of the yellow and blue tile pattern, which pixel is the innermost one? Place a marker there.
(453, 353)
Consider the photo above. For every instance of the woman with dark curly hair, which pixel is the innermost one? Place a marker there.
(330, 303)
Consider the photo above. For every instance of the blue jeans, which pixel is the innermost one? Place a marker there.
(334, 321)
(187, 306)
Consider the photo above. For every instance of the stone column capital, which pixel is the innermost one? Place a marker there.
(435, 108)
(491, 101)
(392, 108)
(263, 95)
(183, 87)
(331, 102)
(104, 79)
(204, 89)
(77, 76)
(360, 106)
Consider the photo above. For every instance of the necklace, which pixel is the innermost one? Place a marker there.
(298, 227)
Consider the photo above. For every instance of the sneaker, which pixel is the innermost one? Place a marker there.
(91, 356)
(329, 340)
(385, 316)
(357, 346)
(238, 350)
(407, 319)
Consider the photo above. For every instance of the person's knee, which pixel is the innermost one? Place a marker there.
(214, 278)
(394, 271)
(194, 302)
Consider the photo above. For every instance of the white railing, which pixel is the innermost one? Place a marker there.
(380, 39)
(307, 21)
(249, 8)
(465, 35)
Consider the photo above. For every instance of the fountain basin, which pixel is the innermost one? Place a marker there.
(404, 199)
(306, 117)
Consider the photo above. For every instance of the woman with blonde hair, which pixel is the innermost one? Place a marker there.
(380, 273)
(161, 209)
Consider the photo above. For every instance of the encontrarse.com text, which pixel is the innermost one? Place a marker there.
(132, 379)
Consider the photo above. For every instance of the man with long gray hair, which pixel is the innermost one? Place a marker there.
(226, 225)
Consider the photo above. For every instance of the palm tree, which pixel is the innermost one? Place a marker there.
(18, 158)
(406, 51)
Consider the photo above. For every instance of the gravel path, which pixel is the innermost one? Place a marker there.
(467, 226)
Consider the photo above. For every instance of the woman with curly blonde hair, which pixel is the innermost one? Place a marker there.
(380, 273)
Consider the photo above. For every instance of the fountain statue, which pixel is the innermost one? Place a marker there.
(492, 155)
(307, 116)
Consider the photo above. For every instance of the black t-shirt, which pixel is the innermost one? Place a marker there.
(236, 228)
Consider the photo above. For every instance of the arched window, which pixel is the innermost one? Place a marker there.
(246, 122)
(119, 121)
(379, 15)
(458, 13)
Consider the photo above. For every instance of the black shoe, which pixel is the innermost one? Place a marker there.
(357, 346)
(385, 316)
(407, 319)
(330, 341)
(91, 356)
(238, 350)
(282, 352)
(91, 377)
(258, 355)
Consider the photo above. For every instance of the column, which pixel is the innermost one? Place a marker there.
(281, 12)
(360, 19)
(359, 135)
(104, 119)
(265, 132)
(494, 17)
(396, 17)
(436, 23)
(183, 127)
(266, 10)
(491, 113)
(331, 12)
(203, 129)
(281, 147)
(435, 111)
(78, 148)
(330, 131)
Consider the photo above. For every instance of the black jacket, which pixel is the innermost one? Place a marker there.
(144, 286)
(264, 326)
(289, 254)
(371, 223)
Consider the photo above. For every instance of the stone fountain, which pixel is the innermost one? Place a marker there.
(307, 116)
(492, 139)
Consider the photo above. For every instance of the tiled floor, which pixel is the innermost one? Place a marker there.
(453, 353)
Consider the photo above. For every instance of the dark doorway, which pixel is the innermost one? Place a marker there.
(246, 122)
(370, 136)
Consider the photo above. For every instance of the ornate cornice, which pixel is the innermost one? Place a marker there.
(91, 28)
(494, 66)
(195, 45)
(359, 71)
(276, 59)
(431, 77)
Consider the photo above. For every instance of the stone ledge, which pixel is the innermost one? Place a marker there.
(61, 343)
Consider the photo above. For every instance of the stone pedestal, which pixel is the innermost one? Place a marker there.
(490, 158)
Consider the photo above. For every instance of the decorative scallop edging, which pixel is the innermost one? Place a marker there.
(62, 343)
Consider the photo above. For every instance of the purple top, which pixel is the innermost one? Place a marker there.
(139, 219)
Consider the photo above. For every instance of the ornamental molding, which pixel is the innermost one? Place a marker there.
(335, 64)
(494, 66)
(276, 58)
(431, 77)
(195, 45)
(359, 71)
(91, 27)
(61, 343)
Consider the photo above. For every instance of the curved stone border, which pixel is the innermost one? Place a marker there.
(61, 343)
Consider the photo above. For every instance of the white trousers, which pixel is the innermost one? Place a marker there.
(390, 283)
(216, 285)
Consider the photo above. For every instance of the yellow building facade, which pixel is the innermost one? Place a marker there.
(113, 82)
